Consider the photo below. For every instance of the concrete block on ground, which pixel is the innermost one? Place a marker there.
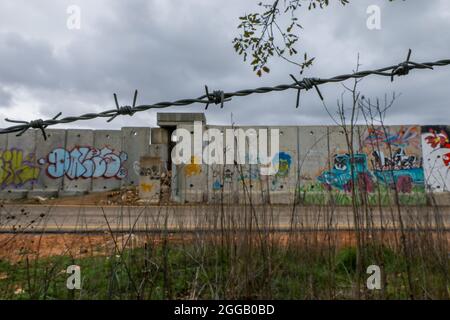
(436, 157)
(192, 177)
(283, 184)
(251, 186)
(3, 167)
(47, 184)
(136, 141)
(74, 163)
(150, 179)
(314, 156)
(221, 179)
(396, 148)
(110, 161)
(19, 170)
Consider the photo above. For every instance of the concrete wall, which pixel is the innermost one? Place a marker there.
(312, 164)
(18, 168)
(70, 162)
(436, 157)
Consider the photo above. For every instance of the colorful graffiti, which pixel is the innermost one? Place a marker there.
(16, 168)
(282, 161)
(399, 160)
(403, 137)
(85, 162)
(218, 173)
(194, 168)
(342, 178)
(436, 151)
(249, 173)
(439, 140)
(217, 185)
(146, 187)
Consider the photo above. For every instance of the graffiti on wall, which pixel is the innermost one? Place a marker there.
(390, 156)
(85, 162)
(146, 187)
(404, 136)
(17, 168)
(342, 178)
(217, 174)
(436, 151)
(152, 172)
(247, 174)
(282, 162)
(193, 168)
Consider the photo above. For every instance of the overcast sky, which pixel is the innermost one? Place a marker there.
(169, 49)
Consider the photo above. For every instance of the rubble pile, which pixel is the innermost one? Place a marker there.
(125, 196)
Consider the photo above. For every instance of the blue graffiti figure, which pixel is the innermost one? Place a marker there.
(217, 185)
(282, 161)
(341, 177)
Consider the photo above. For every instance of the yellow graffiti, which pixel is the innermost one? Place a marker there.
(15, 169)
(194, 168)
(146, 187)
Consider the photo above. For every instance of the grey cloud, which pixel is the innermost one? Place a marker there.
(169, 50)
(5, 98)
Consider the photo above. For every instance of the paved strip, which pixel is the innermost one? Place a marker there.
(210, 218)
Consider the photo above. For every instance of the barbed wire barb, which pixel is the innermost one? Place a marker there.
(124, 110)
(404, 67)
(217, 97)
(306, 84)
(35, 124)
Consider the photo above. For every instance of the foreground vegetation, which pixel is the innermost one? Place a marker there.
(237, 267)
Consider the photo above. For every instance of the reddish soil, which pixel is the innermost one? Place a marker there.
(14, 247)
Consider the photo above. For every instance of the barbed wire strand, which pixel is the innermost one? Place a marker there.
(219, 97)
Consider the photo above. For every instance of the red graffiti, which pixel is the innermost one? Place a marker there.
(438, 140)
(446, 159)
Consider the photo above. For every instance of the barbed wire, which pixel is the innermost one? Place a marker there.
(220, 97)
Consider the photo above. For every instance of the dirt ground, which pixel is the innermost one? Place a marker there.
(14, 247)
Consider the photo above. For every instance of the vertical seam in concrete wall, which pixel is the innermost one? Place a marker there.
(122, 138)
(298, 161)
(328, 148)
(63, 180)
(94, 145)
